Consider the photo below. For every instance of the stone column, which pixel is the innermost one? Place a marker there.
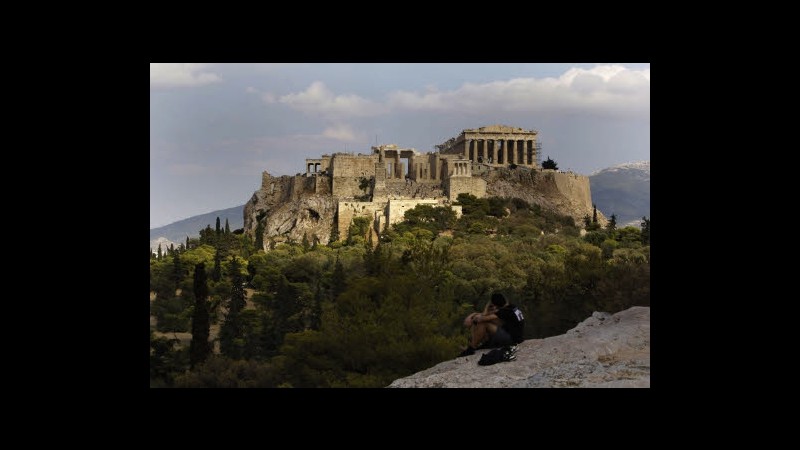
(528, 150)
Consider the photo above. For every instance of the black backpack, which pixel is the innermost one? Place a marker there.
(498, 355)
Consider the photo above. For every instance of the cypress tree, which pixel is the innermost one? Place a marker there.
(187, 242)
(199, 347)
(177, 269)
(594, 213)
(645, 230)
(158, 257)
(227, 227)
(217, 273)
(612, 223)
(231, 330)
(218, 230)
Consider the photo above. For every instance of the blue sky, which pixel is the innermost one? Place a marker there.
(215, 127)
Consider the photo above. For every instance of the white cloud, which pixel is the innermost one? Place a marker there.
(609, 88)
(165, 75)
(251, 90)
(345, 133)
(318, 99)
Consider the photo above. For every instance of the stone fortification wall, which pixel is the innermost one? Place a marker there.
(467, 185)
(347, 171)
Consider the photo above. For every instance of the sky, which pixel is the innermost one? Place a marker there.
(214, 128)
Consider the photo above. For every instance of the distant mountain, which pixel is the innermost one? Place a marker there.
(177, 231)
(623, 190)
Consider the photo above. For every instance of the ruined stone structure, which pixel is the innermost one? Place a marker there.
(388, 181)
(495, 145)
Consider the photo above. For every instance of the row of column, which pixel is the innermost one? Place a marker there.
(461, 168)
(509, 151)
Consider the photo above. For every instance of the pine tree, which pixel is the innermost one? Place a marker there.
(218, 229)
(199, 348)
(549, 164)
(305, 243)
(227, 227)
(594, 213)
(158, 257)
(645, 230)
(187, 242)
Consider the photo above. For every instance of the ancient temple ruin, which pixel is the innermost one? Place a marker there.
(389, 180)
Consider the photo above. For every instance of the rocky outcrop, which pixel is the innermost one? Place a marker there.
(289, 207)
(565, 192)
(602, 351)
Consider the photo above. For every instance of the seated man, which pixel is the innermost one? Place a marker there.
(501, 323)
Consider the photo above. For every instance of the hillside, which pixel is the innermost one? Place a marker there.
(623, 190)
(177, 231)
(602, 351)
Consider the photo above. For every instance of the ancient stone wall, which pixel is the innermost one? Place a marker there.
(348, 210)
(397, 208)
(348, 170)
(573, 186)
(467, 185)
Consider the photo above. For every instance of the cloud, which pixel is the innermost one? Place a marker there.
(602, 89)
(166, 75)
(318, 99)
(345, 133)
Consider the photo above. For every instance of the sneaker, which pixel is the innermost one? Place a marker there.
(468, 351)
(509, 357)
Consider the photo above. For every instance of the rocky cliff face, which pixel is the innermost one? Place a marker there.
(290, 207)
(602, 351)
(567, 193)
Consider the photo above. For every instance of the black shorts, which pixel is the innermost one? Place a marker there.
(500, 338)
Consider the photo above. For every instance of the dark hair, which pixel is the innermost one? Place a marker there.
(498, 299)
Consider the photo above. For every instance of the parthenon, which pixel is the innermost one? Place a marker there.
(495, 145)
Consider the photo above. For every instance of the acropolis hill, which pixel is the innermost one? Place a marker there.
(495, 160)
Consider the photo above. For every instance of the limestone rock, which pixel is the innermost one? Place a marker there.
(602, 351)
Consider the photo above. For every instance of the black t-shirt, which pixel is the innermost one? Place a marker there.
(513, 321)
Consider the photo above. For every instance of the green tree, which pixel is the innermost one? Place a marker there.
(227, 227)
(612, 223)
(187, 242)
(594, 213)
(549, 164)
(230, 334)
(158, 255)
(259, 244)
(199, 348)
(645, 230)
(177, 269)
(207, 236)
(304, 243)
(216, 274)
(218, 230)
(338, 280)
